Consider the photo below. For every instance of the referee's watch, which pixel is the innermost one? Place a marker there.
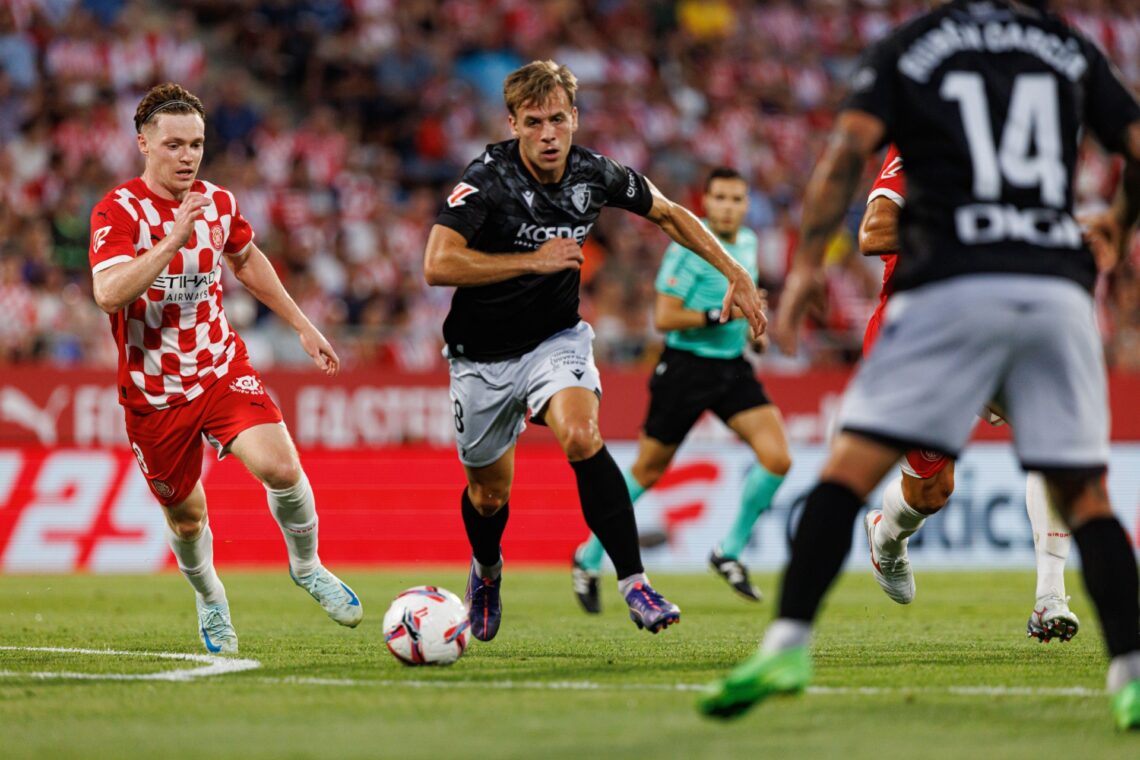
(712, 317)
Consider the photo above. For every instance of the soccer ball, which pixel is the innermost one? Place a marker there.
(426, 625)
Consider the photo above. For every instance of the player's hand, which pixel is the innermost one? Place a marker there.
(743, 297)
(804, 287)
(321, 350)
(1106, 237)
(185, 215)
(558, 254)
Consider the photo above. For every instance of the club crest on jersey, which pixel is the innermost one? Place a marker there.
(248, 384)
(580, 197)
(461, 191)
(217, 236)
(162, 488)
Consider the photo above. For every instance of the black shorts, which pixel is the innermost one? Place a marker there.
(684, 385)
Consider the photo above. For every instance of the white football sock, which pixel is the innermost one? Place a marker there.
(196, 561)
(1051, 537)
(784, 634)
(295, 510)
(628, 582)
(899, 522)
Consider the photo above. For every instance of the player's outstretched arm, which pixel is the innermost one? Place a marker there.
(682, 225)
(449, 261)
(254, 271)
(879, 230)
(829, 192)
(117, 286)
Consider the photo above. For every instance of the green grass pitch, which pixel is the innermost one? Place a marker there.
(890, 681)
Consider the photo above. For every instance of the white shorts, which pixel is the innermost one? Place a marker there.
(1029, 343)
(492, 400)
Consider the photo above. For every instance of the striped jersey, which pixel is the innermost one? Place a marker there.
(174, 340)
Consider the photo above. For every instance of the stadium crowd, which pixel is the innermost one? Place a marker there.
(340, 125)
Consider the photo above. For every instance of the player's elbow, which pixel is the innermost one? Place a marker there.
(432, 273)
(104, 300)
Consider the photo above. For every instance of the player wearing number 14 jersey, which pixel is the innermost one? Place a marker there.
(987, 102)
(927, 478)
(157, 245)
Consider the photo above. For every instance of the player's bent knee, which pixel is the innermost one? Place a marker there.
(487, 503)
(777, 465)
(580, 442)
(281, 475)
(187, 528)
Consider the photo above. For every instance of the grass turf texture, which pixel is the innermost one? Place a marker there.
(623, 693)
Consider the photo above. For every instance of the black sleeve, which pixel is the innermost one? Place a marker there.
(625, 188)
(1109, 106)
(873, 87)
(466, 207)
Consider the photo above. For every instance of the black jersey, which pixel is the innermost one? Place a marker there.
(985, 101)
(500, 208)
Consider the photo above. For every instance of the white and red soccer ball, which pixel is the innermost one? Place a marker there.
(426, 625)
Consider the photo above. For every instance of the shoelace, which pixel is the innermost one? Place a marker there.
(215, 623)
(325, 588)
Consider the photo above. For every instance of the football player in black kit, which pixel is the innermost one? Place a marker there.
(986, 103)
(509, 240)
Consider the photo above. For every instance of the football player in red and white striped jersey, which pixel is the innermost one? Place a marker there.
(157, 244)
(927, 478)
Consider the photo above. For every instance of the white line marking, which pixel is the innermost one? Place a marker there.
(968, 691)
(214, 666)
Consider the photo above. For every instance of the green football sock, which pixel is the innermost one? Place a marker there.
(591, 554)
(759, 488)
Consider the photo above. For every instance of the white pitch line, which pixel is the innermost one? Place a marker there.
(989, 691)
(214, 665)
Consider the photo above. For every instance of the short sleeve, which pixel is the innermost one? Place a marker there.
(113, 233)
(1109, 106)
(241, 233)
(625, 188)
(873, 87)
(674, 278)
(890, 182)
(470, 202)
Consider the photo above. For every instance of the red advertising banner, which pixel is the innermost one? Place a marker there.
(365, 410)
(90, 510)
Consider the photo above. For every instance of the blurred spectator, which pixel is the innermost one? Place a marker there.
(341, 124)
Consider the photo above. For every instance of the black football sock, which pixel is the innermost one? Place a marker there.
(822, 541)
(484, 533)
(608, 510)
(1109, 568)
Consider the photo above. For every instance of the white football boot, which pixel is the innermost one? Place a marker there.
(215, 629)
(1052, 619)
(892, 571)
(334, 595)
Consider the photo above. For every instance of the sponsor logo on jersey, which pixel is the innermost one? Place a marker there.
(99, 238)
(461, 191)
(528, 196)
(162, 488)
(531, 234)
(631, 181)
(217, 236)
(580, 197)
(248, 384)
(186, 288)
(982, 223)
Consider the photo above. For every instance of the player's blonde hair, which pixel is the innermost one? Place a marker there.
(536, 82)
(167, 98)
